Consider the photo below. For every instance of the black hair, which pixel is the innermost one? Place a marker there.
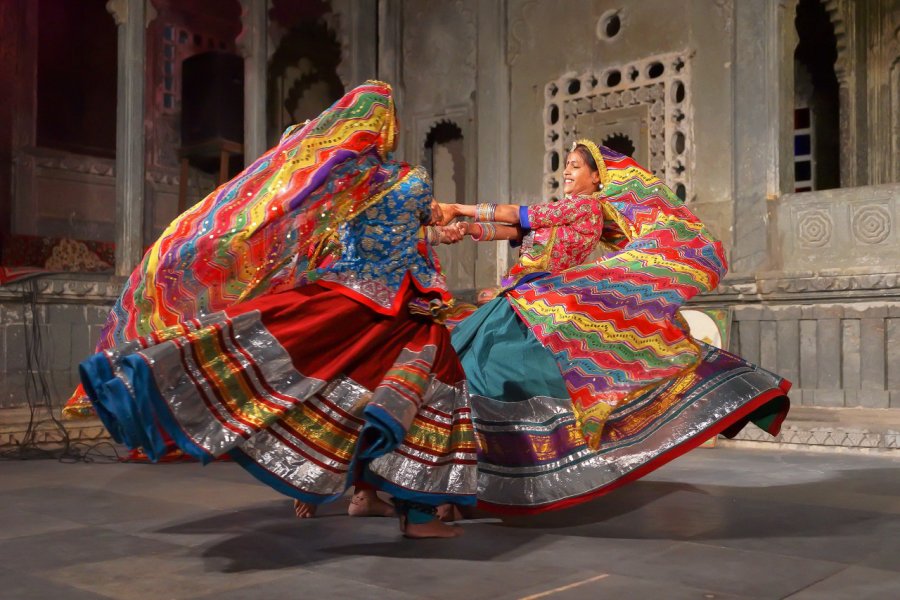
(587, 156)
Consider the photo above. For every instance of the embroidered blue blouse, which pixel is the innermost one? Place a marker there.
(385, 242)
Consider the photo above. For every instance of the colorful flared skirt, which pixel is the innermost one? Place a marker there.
(308, 390)
(532, 454)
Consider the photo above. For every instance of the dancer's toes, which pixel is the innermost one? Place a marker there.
(431, 529)
(304, 510)
(366, 503)
(449, 513)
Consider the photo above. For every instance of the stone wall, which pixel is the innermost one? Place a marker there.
(551, 43)
(67, 315)
(61, 194)
(836, 354)
(848, 228)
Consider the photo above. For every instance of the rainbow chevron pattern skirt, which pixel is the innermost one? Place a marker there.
(532, 452)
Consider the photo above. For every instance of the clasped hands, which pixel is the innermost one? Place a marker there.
(450, 233)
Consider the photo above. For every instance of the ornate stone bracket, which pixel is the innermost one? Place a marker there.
(119, 11)
(68, 288)
(837, 11)
(828, 285)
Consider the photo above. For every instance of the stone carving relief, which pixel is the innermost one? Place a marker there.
(837, 11)
(61, 287)
(821, 284)
(725, 8)
(845, 228)
(520, 31)
(119, 11)
(871, 224)
(61, 161)
(814, 228)
(646, 99)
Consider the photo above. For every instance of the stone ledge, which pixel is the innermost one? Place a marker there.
(806, 428)
(824, 284)
(67, 287)
(14, 427)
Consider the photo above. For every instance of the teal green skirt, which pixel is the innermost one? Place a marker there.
(501, 357)
(532, 454)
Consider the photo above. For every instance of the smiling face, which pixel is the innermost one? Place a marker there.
(578, 177)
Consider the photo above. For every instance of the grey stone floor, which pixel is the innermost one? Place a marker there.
(720, 523)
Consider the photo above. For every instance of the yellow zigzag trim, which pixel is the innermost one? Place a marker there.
(608, 331)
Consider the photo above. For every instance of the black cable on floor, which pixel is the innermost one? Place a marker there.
(38, 394)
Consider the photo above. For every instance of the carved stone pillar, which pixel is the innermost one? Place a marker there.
(763, 82)
(850, 70)
(883, 41)
(130, 17)
(253, 45)
(492, 121)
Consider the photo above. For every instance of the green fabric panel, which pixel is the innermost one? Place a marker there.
(765, 416)
(501, 357)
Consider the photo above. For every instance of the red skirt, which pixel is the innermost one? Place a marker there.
(307, 389)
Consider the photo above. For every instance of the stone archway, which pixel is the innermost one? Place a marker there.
(302, 77)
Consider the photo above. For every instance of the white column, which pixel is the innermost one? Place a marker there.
(130, 17)
(252, 43)
(492, 122)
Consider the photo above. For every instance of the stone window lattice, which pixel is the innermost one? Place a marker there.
(659, 84)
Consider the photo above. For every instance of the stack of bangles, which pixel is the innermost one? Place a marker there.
(433, 235)
(485, 212)
(483, 232)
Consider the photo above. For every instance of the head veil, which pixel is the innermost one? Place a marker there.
(619, 312)
(256, 233)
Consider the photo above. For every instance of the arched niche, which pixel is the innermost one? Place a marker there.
(445, 152)
(444, 157)
(303, 76)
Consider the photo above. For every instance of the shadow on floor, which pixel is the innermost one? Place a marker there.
(266, 537)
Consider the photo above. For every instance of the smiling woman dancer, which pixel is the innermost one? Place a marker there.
(290, 321)
(583, 376)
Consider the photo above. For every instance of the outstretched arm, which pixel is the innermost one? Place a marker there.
(486, 232)
(535, 216)
(504, 213)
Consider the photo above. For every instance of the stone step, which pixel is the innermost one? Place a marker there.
(14, 424)
(817, 428)
(806, 428)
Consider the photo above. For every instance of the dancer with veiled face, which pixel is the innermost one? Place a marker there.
(291, 321)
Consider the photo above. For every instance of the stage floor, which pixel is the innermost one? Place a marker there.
(718, 523)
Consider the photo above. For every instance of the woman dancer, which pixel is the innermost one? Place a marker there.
(290, 321)
(583, 376)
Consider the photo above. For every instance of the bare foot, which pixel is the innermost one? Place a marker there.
(366, 503)
(304, 510)
(431, 529)
(449, 513)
